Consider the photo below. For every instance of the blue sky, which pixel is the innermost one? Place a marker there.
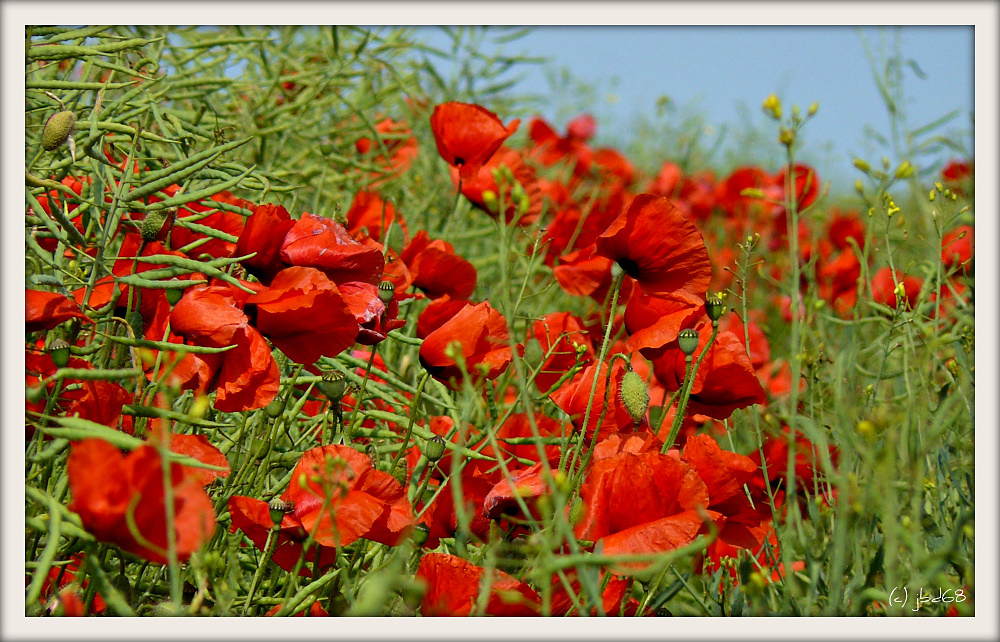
(725, 73)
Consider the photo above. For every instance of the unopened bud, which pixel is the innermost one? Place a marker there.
(57, 130)
(635, 396)
(862, 164)
(157, 224)
(174, 295)
(905, 170)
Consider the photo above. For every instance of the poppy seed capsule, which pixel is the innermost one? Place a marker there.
(386, 290)
(57, 130)
(174, 295)
(687, 341)
(332, 385)
(635, 396)
(714, 308)
(277, 509)
(59, 351)
(434, 448)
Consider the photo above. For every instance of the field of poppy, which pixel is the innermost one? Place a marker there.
(312, 329)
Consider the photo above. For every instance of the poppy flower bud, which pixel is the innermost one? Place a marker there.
(687, 341)
(386, 290)
(277, 509)
(57, 130)
(420, 534)
(635, 396)
(714, 308)
(273, 409)
(434, 448)
(174, 295)
(59, 351)
(333, 386)
(156, 224)
(34, 394)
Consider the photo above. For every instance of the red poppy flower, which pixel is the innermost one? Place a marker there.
(559, 335)
(246, 376)
(528, 484)
(454, 585)
(477, 479)
(725, 380)
(68, 591)
(845, 226)
(264, 233)
(959, 176)
(522, 196)
(884, 287)
(481, 334)
(573, 395)
(612, 163)
(643, 503)
(200, 448)
(468, 135)
(120, 500)
(519, 426)
(304, 315)
(837, 279)
(338, 496)
(375, 319)
(653, 321)
(806, 184)
(253, 517)
(551, 148)
(395, 139)
(776, 453)
(370, 213)
(437, 313)
(224, 221)
(729, 193)
(45, 310)
(437, 270)
(659, 261)
(313, 611)
(96, 400)
(326, 245)
(613, 596)
(957, 247)
(725, 473)
(585, 273)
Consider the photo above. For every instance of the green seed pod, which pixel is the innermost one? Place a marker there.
(434, 448)
(714, 308)
(277, 509)
(687, 341)
(174, 295)
(59, 351)
(635, 396)
(576, 512)
(420, 533)
(386, 290)
(57, 130)
(333, 385)
(157, 224)
(273, 409)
